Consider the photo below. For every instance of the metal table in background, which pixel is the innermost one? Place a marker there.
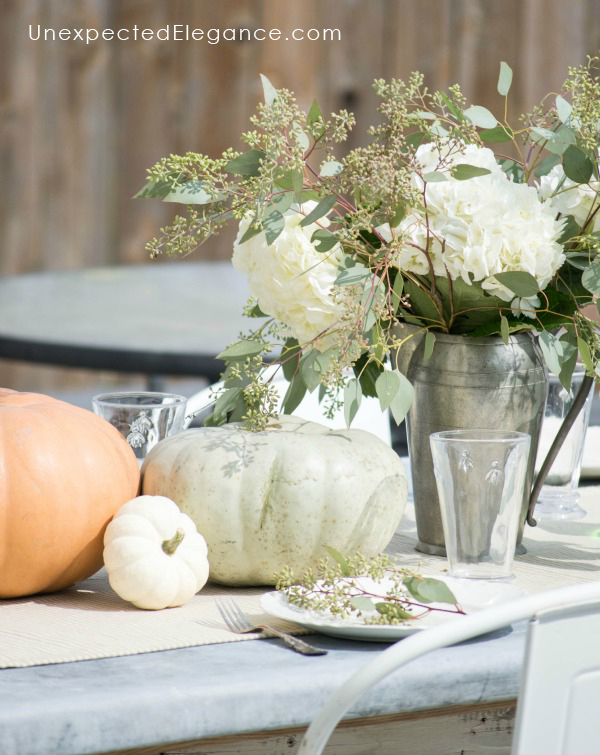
(157, 319)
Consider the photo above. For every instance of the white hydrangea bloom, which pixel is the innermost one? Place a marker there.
(480, 226)
(578, 200)
(291, 281)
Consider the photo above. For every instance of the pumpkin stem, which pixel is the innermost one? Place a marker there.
(170, 546)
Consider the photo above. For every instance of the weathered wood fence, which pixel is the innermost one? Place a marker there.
(80, 123)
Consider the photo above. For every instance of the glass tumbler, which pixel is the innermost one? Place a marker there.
(143, 418)
(559, 498)
(480, 476)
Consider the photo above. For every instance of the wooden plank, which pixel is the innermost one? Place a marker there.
(74, 128)
(21, 155)
(146, 93)
(483, 729)
(219, 88)
(355, 61)
(553, 37)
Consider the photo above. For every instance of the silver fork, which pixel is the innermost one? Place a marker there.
(238, 622)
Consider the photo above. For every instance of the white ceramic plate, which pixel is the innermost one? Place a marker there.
(472, 595)
(590, 464)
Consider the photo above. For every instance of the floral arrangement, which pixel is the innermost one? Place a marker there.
(452, 219)
(384, 593)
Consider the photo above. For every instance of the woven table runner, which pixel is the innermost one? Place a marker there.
(90, 621)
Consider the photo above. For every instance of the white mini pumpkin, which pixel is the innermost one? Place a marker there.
(268, 499)
(153, 554)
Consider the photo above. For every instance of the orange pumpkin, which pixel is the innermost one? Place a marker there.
(64, 472)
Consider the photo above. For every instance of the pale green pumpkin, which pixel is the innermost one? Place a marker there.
(264, 500)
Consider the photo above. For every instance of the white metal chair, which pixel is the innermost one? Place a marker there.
(559, 701)
(369, 416)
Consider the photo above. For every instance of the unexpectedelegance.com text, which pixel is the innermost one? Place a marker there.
(181, 33)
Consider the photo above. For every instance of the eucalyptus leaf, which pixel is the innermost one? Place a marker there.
(301, 137)
(246, 164)
(421, 304)
(399, 213)
(513, 169)
(504, 329)
(290, 358)
(563, 109)
(268, 89)
(250, 232)
(387, 386)
(429, 590)
(362, 603)
(397, 290)
(428, 345)
(402, 401)
(374, 293)
(282, 201)
(577, 165)
(353, 275)
(323, 207)
(521, 283)
(367, 371)
(585, 354)
(240, 350)
(193, 192)
(331, 168)
(504, 79)
(307, 195)
(239, 409)
(434, 176)
(578, 260)
(214, 421)
(570, 230)
(323, 240)
(481, 116)
(497, 134)
(154, 190)
(542, 134)
(340, 560)
(310, 369)
(563, 138)
(463, 172)
(273, 225)
(567, 369)
(352, 400)
(297, 185)
(436, 129)
(424, 115)
(226, 402)
(591, 278)
(256, 311)
(415, 139)
(322, 393)
(546, 165)
(314, 114)
(232, 377)
(290, 180)
(452, 107)
(294, 395)
(556, 351)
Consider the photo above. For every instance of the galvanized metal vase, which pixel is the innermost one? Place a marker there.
(467, 383)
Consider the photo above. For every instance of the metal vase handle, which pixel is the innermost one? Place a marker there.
(567, 424)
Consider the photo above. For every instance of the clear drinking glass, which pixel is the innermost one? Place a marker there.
(559, 498)
(142, 418)
(480, 476)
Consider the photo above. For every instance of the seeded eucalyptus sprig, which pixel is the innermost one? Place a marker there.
(338, 589)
